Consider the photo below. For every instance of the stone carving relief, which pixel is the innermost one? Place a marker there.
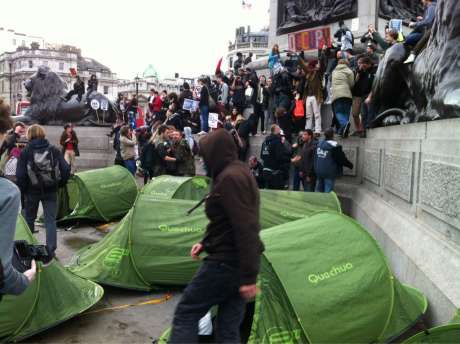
(440, 190)
(398, 173)
(372, 166)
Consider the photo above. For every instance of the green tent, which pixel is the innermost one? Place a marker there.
(151, 245)
(447, 334)
(278, 207)
(55, 296)
(169, 187)
(333, 286)
(98, 195)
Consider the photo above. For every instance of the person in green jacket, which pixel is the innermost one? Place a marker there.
(391, 37)
(343, 81)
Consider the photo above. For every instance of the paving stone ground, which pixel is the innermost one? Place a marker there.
(137, 324)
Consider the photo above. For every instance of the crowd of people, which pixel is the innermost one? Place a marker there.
(246, 104)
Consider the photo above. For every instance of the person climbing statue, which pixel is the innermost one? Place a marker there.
(92, 85)
(78, 89)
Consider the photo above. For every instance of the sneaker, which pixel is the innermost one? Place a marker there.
(48, 261)
(357, 134)
(202, 133)
(410, 59)
(346, 130)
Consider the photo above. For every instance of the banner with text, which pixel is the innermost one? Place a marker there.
(310, 39)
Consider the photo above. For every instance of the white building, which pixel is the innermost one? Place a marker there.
(247, 42)
(142, 85)
(18, 66)
(10, 40)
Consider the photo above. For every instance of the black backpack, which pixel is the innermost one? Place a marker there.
(43, 169)
(2, 279)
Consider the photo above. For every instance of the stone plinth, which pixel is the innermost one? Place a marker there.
(405, 189)
(95, 146)
(407, 193)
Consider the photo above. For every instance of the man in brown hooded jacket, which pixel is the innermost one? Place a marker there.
(228, 275)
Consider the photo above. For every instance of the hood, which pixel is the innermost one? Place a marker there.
(218, 149)
(341, 66)
(272, 138)
(328, 144)
(39, 144)
(188, 132)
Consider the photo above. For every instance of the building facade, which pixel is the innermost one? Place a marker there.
(142, 85)
(247, 42)
(18, 66)
(10, 40)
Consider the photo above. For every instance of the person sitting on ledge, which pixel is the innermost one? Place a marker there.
(422, 30)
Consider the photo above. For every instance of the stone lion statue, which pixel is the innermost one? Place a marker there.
(46, 91)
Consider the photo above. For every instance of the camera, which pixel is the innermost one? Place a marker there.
(24, 253)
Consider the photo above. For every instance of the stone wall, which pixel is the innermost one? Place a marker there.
(405, 189)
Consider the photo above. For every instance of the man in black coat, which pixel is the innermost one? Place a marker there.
(227, 278)
(78, 89)
(274, 156)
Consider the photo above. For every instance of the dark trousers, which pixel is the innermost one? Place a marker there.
(421, 44)
(216, 283)
(49, 203)
(282, 100)
(260, 115)
(72, 93)
(308, 187)
(274, 180)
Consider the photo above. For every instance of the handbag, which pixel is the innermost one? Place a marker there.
(211, 101)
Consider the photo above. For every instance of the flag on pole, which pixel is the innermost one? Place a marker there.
(246, 5)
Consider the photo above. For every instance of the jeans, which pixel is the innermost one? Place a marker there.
(297, 180)
(216, 283)
(413, 38)
(324, 184)
(49, 203)
(204, 115)
(130, 165)
(342, 108)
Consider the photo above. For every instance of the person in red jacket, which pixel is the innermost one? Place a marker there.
(157, 103)
(298, 112)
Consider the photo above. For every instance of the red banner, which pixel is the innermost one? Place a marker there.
(310, 39)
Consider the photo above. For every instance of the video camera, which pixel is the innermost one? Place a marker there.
(24, 253)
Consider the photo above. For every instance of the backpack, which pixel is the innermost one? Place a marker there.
(43, 169)
(265, 150)
(2, 279)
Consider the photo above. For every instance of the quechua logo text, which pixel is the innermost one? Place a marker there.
(333, 272)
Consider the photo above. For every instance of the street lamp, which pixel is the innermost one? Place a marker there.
(137, 85)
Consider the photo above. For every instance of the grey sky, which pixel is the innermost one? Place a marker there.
(184, 36)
